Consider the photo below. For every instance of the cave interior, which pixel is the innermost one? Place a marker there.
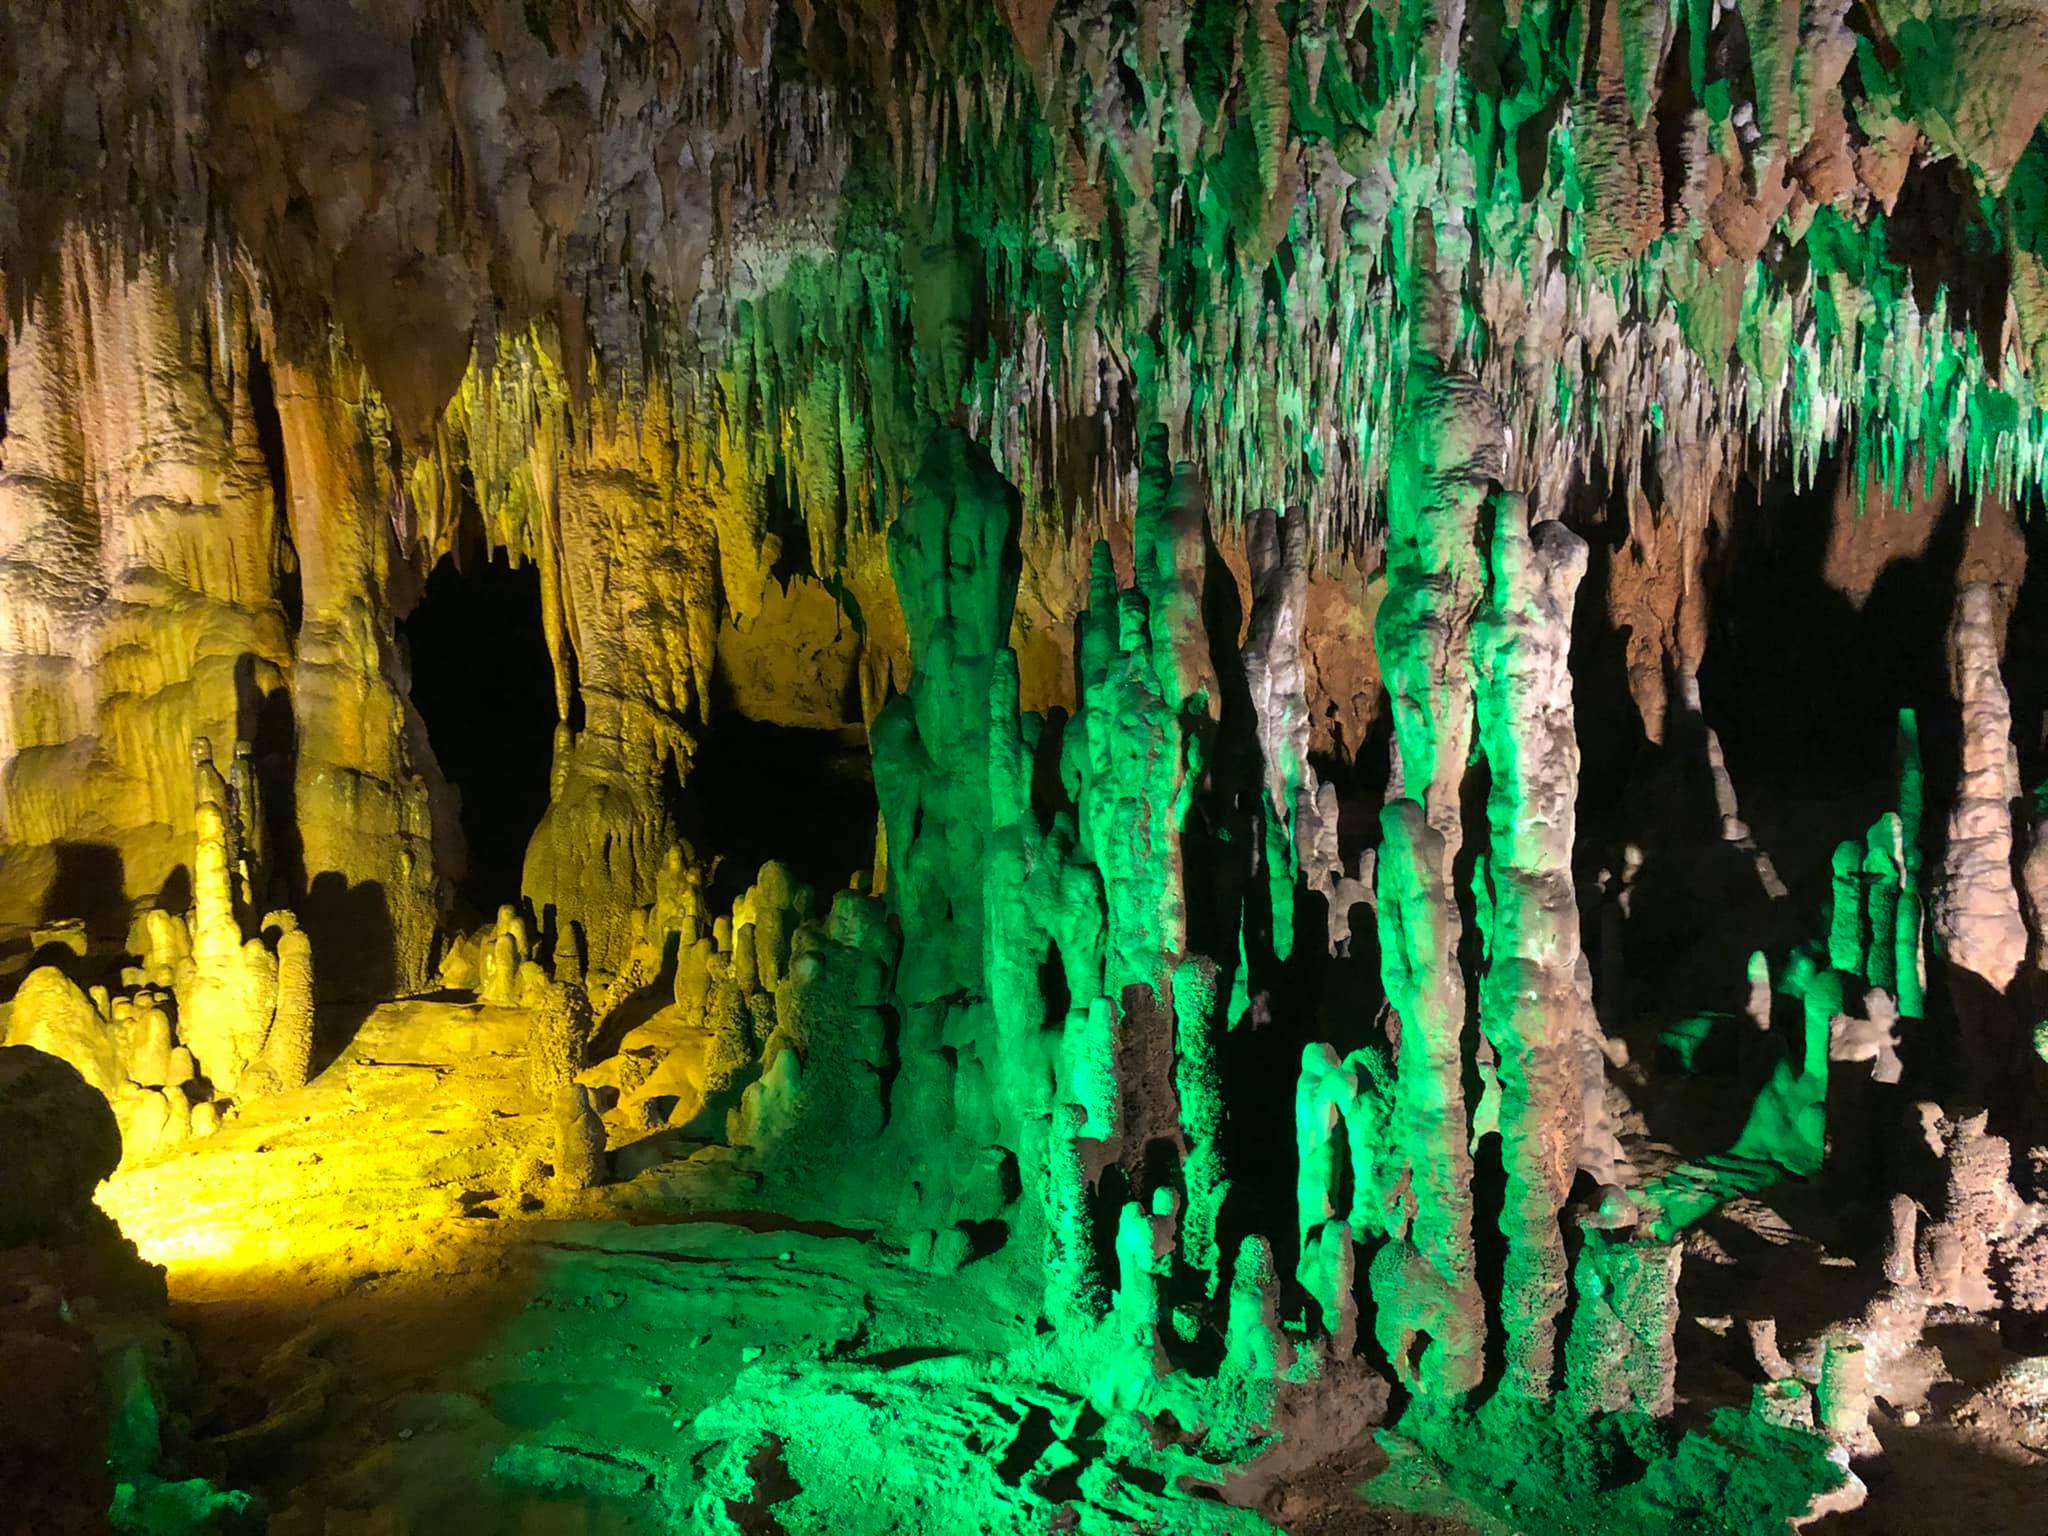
(1192, 766)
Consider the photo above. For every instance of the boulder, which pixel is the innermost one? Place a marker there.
(58, 1140)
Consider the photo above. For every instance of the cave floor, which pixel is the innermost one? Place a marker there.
(394, 1341)
(402, 1329)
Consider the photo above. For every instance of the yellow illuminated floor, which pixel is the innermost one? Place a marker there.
(395, 1346)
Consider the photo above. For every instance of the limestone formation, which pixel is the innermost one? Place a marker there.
(560, 1032)
(579, 1139)
(365, 785)
(288, 1048)
(822, 1059)
(51, 1015)
(1977, 913)
(1430, 1314)
(1535, 1002)
(1622, 1350)
(505, 949)
(1373, 554)
(236, 994)
(1303, 831)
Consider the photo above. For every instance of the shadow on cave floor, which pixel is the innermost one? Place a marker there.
(1938, 1481)
(1801, 1257)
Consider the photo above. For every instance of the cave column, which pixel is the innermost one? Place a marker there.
(1448, 455)
(628, 603)
(366, 787)
(952, 553)
(1535, 1001)
(1149, 693)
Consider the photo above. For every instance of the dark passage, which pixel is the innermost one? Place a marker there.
(482, 682)
(758, 792)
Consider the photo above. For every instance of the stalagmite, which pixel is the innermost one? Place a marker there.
(1430, 1319)
(1953, 1252)
(505, 951)
(288, 1049)
(579, 1139)
(1535, 1002)
(560, 1032)
(51, 1015)
(216, 1011)
(1622, 1354)
(1339, 1121)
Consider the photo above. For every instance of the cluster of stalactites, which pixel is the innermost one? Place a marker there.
(1069, 236)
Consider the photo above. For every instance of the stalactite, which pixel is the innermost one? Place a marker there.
(1977, 913)
(1297, 833)
(1657, 581)
(138, 546)
(939, 373)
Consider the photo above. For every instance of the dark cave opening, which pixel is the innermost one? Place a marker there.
(1803, 681)
(757, 792)
(483, 683)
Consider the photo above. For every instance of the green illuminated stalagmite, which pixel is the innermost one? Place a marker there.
(1868, 958)
(1339, 1120)
(1535, 1002)
(953, 552)
(1134, 753)
(1044, 909)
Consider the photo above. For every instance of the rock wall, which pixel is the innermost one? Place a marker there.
(143, 554)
